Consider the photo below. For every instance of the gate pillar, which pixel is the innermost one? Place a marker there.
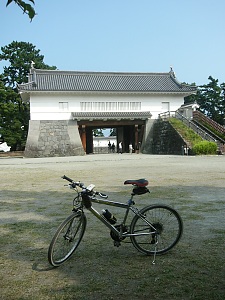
(136, 139)
(83, 136)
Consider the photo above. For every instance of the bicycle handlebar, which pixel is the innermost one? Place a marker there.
(74, 184)
(67, 178)
(81, 185)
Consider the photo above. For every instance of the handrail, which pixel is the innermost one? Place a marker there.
(218, 138)
(166, 115)
(205, 135)
(199, 116)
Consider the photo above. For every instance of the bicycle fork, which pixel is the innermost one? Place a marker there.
(69, 235)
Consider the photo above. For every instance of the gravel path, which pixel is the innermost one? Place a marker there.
(184, 170)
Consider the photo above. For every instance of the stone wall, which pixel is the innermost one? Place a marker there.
(163, 139)
(148, 137)
(53, 138)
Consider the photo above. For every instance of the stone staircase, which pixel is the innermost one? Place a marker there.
(196, 125)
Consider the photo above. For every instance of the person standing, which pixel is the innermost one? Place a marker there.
(138, 147)
(113, 147)
(120, 148)
(109, 147)
(130, 148)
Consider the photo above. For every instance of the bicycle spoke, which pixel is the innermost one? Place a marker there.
(67, 239)
(168, 229)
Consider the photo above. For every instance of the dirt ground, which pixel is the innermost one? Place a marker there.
(34, 201)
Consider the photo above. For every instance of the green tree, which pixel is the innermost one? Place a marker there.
(26, 7)
(211, 99)
(98, 132)
(19, 56)
(113, 132)
(14, 114)
(192, 98)
(14, 118)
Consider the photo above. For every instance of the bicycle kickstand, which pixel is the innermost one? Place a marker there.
(154, 257)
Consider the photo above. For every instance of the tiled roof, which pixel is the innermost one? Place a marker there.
(54, 80)
(111, 115)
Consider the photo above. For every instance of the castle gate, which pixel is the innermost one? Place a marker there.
(127, 132)
(130, 127)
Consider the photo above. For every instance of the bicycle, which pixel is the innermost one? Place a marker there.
(154, 230)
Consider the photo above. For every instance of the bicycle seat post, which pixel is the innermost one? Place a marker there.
(130, 201)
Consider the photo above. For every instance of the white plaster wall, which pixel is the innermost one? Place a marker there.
(45, 106)
(103, 141)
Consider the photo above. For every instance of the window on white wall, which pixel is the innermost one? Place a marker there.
(123, 106)
(135, 105)
(165, 106)
(111, 106)
(86, 106)
(63, 106)
(99, 106)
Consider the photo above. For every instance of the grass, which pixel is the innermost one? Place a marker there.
(187, 133)
(194, 269)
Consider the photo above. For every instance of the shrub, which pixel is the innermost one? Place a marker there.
(205, 147)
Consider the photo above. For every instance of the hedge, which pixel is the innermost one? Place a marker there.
(205, 147)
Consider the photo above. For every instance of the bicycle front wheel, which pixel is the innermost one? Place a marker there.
(67, 238)
(164, 232)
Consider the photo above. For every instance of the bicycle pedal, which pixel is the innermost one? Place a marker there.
(117, 243)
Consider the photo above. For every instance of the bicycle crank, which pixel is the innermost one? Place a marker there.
(116, 237)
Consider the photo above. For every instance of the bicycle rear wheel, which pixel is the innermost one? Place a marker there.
(164, 234)
(67, 238)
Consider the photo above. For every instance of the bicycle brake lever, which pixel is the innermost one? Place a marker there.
(102, 195)
(70, 185)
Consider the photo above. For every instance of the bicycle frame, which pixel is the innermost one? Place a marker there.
(128, 207)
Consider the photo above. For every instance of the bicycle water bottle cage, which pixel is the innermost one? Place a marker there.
(139, 186)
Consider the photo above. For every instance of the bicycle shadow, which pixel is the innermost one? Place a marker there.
(41, 267)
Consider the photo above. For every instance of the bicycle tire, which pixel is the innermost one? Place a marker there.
(67, 238)
(169, 227)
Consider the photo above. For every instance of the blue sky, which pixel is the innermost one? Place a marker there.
(125, 35)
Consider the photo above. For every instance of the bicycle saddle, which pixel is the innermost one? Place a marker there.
(139, 182)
